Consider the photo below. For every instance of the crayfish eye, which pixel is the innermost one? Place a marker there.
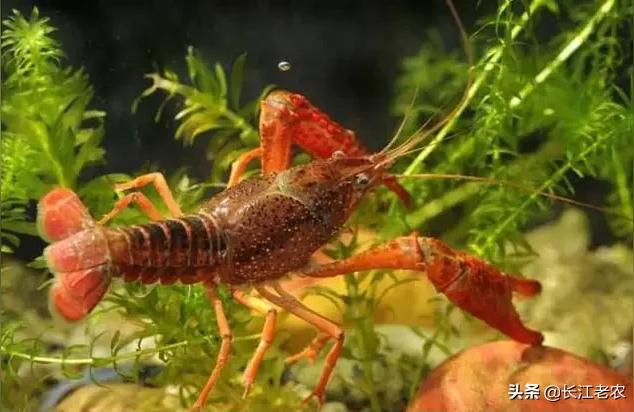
(362, 179)
(338, 155)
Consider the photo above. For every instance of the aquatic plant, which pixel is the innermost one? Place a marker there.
(542, 112)
(48, 138)
(49, 134)
(210, 106)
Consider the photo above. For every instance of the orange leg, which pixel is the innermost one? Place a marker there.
(268, 334)
(468, 282)
(223, 353)
(311, 351)
(287, 301)
(158, 181)
(238, 167)
(137, 198)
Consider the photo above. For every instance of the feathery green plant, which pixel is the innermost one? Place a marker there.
(540, 113)
(49, 134)
(210, 105)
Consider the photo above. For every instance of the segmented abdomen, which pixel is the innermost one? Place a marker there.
(187, 249)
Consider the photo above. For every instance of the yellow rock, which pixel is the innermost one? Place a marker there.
(119, 397)
(407, 303)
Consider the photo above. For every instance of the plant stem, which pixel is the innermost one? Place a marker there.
(352, 285)
(622, 185)
(553, 178)
(94, 361)
(437, 206)
(239, 122)
(564, 54)
(458, 195)
(58, 168)
(493, 57)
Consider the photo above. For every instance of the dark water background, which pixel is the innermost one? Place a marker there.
(345, 57)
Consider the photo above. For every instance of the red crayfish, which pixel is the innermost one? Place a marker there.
(262, 229)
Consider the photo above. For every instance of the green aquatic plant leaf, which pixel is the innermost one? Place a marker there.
(236, 80)
(28, 46)
(209, 105)
(540, 113)
(49, 134)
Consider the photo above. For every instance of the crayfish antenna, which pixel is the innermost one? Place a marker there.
(421, 133)
(520, 187)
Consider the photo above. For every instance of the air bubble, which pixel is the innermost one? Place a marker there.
(284, 66)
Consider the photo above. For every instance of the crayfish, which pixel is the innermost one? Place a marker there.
(260, 230)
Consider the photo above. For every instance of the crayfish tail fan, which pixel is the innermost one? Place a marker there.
(60, 214)
(82, 268)
(75, 294)
(79, 255)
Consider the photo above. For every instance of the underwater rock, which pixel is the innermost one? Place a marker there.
(119, 397)
(585, 306)
(481, 379)
(104, 389)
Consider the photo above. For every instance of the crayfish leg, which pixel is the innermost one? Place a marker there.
(239, 166)
(160, 184)
(223, 353)
(311, 351)
(288, 302)
(266, 339)
(136, 198)
(403, 195)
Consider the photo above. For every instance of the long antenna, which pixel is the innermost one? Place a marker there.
(490, 181)
(420, 134)
(408, 112)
